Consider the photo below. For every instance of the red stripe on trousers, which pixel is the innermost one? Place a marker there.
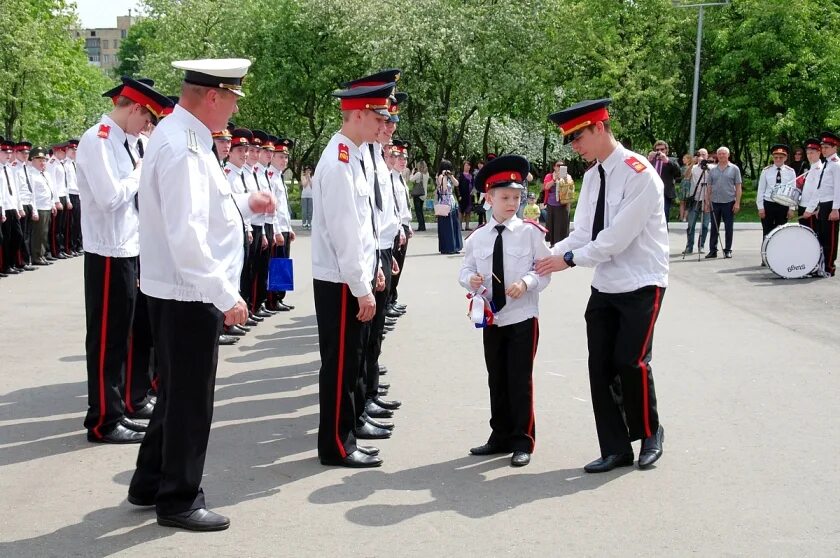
(129, 368)
(643, 366)
(340, 376)
(531, 386)
(103, 338)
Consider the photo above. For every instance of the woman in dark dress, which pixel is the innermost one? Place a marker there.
(465, 191)
(449, 228)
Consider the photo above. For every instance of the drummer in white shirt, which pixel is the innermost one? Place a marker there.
(809, 200)
(620, 231)
(774, 214)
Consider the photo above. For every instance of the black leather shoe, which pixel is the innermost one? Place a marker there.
(144, 412)
(357, 460)
(369, 432)
(235, 331)
(262, 314)
(488, 449)
(392, 314)
(201, 519)
(119, 435)
(241, 327)
(388, 328)
(400, 307)
(283, 307)
(61, 256)
(267, 310)
(227, 340)
(11, 271)
(41, 261)
(139, 501)
(2, 275)
(28, 267)
(711, 256)
(378, 423)
(383, 370)
(390, 321)
(384, 386)
(520, 458)
(50, 258)
(256, 318)
(375, 411)
(381, 392)
(608, 463)
(368, 450)
(133, 424)
(389, 405)
(727, 254)
(651, 448)
(250, 322)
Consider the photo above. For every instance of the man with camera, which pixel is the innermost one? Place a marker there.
(723, 198)
(696, 201)
(668, 170)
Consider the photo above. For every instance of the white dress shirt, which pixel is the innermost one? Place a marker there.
(344, 235)
(241, 182)
(388, 219)
(767, 182)
(631, 251)
(829, 186)
(191, 241)
(402, 198)
(282, 220)
(810, 198)
(44, 194)
(107, 182)
(70, 171)
(58, 173)
(260, 179)
(24, 180)
(523, 244)
(9, 184)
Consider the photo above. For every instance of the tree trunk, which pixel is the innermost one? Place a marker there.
(486, 137)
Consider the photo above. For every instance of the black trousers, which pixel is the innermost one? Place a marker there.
(775, 214)
(26, 227)
(557, 223)
(369, 382)
(73, 229)
(827, 234)
(12, 239)
(399, 256)
(41, 234)
(259, 269)
(110, 293)
(278, 251)
(57, 227)
(619, 330)
(418, 212)
(509, 355)
(245, 277)
(722, 214)
(342, 339)
(170, 462)
(140, 373)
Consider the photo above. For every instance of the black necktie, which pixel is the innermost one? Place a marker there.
(8, 181)
(394, 193)
(140, 147)
(257, 180)
(242, 176)
(822, 172)
(598, 220)
(377, 194)
(778, 175)
(26, 175)
(133, 164)
(499, 298)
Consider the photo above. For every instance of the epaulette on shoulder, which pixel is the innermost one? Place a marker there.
(536, 224)
(343, 153)
(104, 131)
(635, 164)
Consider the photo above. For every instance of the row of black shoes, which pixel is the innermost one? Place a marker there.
(131, 428)
(48, 259)
(231, 334)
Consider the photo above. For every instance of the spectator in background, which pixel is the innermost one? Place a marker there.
(685, 184)
(449, 229)
(669, 172)
(478, 198)
(723, 198)
(558, 193)
(465, 194)
(799, 164)
(419, 186)
(696, 201)
(306, 197)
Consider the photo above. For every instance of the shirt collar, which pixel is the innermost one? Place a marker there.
(202, 132)
(509, 224)
(354, 149)
(116, 132)
(613, 158)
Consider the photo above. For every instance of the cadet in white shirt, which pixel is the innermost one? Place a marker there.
(108, 178)
(828, 210)
(499, 259)
(12, 212)
(620, 231)
(191, 249)
(44, 200)
(284, 235)
(774, 214)
(810, 199)
(344, 268)
(259, 156)
(59, 179)
(22, 150)
(73, 230)
(397, 164)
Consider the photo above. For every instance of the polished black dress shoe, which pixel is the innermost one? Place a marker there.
(381, 391)
(61, 256)
(195, 520)
(608, 463)
(285, 305)
(651, 448)
(241, 327)
(383, 370)
(368, 450)
(488, 449)
(378, 423)
(520, 458)
(235, 331)
(119, 435)
(139, 501)
(133, 424)
(375, 411)
(262, 314)
(369, 432)
(390, 405)
(392, 314)
(28, 267)
(267, 310)
(727, 254)
(11, 271)
(400, 307)
(144, 412)
(390, 321)
(388, 328)
(384, 386)
(227, 340)
(2, 275)
(250, 322)
(50, 258)
(42, 261)
(258, 319)
(357, 460)
(711, 255)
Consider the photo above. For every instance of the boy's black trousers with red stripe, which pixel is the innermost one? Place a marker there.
(342, 340)
(619, 331)
(509, 355)
(110, 295)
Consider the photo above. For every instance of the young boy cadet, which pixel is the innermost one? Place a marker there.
(500, 257)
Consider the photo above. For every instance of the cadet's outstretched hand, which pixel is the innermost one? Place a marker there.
(550, 265)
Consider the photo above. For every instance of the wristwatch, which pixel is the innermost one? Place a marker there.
(569, 258)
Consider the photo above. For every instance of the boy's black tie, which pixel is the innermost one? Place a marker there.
(499, 298)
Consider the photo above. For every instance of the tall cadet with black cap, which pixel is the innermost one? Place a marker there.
(809, 200)
(773, 214)
(191, 247)
(620, 231)
(499, 258)
(828, 188)
(345, 271)
(12, 211)
(108, 178)
(284, 235)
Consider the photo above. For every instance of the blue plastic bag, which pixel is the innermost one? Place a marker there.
(281, 275)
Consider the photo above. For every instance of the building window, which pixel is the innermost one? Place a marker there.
(105, 43)
(106, 58)
(116, 44)
(93, 33)
(123, 33)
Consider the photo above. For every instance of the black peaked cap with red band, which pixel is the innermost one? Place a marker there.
(114, 92)
(573, 120)
(372, 97)
(144, 95)
(780, 149)
(394, 110)
(830, 138)
(811, 143)
(507, 171)
(241, 136)
(382, 77)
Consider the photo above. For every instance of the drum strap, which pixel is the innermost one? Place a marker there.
(821, 175)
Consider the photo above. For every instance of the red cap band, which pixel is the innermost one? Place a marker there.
(505, 176)
(829, 140)
(584, 120)
(362, 103)
(141, 99)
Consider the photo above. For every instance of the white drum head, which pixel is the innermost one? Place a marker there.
(791, 251)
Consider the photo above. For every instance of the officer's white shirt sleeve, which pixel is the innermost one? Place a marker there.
(99, 165)
(763, 186)
(835, 178)
(532, 280)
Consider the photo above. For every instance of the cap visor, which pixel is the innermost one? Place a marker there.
(383, 112)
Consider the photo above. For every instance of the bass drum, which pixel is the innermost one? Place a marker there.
(791, 251)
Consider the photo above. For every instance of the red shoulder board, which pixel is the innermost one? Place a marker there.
(635, 164)
(834, 158)
(104, 131)
(343, 153)
(227, 170)
(536, 224)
